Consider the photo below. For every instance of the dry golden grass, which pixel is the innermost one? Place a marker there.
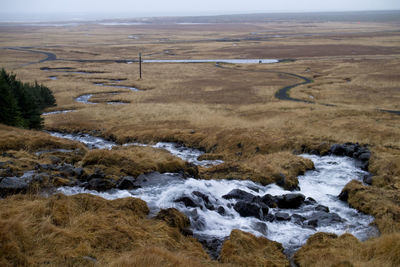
(135, 161)
(244, 249)
(18, 139)
(78, 230)
(230, 112)
(281, 167)
(324, 249)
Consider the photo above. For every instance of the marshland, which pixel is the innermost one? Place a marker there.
(250, 140)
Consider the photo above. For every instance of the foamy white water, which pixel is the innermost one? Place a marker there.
(323, 184)
(188, 154)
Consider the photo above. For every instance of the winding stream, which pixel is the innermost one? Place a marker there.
(217, 217)
(185, 153)
(214, 216)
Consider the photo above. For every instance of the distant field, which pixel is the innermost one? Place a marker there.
(353, 60)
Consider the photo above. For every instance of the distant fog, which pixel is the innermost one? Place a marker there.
(69, 10)
(188, 7)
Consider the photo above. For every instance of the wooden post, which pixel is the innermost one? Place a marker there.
(140, 66)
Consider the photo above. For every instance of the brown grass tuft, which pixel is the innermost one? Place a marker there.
(244, 249)
(324, 249)
(135, 161)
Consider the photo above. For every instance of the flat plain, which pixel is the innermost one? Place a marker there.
(229, 110)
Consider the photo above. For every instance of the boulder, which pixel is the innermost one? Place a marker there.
(321, 218)
(221, 210)
(322, 208)
(367, 179)
(12, 185)
(205, 199)
(260, 227)
(355, 151)
(247, 209)
(344, 195)
(282, 216)
(67, 170)
(290, 201)
(79, 172)
(127, 183)
(55, 160)
(310, 201)
(211, 245)
(100, 184)
(187, 201)
(269, 200)
(239, 195)
(197, 222)
(298, 219)
(98, 173)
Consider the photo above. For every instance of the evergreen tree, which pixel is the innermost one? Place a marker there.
(22, 103)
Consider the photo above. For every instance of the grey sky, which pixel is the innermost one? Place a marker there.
(190, 7)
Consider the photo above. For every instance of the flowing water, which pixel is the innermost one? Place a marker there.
(230, 61)
(84, 99)
(188, 154)
(323, 184)
(134, 89)
(58, 112)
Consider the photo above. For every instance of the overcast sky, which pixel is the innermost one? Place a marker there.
(190, 7)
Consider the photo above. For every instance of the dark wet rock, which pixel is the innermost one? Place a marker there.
(281, 180)
(247, 209)
(352, 150)
(213, 246)
(282, 216)
(269, 200)
(344, 195)
(322, 208)
(298, 219)
(239, 195)
(269, 217)
(310, 201)
(196, 221)
(2, 164)
(78, 172)
(100, 184)
(205, 199)
(290, 201)
(221, 210)
(368, 179)
(321, 218)
(67, 170)
(7, 172)
(127, 183)
(253, 188)
(7, 155)
(98, 173)
(187, 201)
(55, 160)
(13, 185)
(364, 156)
(260, 227)
(51, 167)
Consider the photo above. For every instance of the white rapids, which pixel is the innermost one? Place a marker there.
(185, 153)
(323, 184)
